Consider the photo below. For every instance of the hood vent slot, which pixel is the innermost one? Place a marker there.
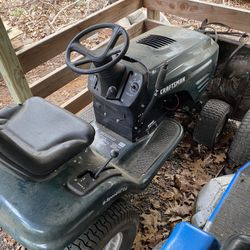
(156, 41)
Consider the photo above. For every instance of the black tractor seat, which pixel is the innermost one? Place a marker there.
(37, 137)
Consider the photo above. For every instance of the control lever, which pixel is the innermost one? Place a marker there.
(113, 154)
(158, 85)
(111, 93)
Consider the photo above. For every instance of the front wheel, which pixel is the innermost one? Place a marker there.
(115, 229)
(212, 119)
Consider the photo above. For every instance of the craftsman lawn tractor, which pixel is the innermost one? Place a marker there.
(62, 176)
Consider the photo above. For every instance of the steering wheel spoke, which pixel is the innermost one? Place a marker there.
(79, 48)
(115, 36)
(82, 62)
(113, 52)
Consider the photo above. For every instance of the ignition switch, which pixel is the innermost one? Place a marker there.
(134, 87)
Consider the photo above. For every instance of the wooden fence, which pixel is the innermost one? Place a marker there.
(14, 67)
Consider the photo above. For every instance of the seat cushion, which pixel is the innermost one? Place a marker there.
(38, 136)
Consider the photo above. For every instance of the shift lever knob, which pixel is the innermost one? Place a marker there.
(114, 153)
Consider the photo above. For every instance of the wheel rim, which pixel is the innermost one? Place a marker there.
(219, 128)
(115, 243)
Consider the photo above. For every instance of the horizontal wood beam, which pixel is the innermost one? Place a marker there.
(150, 24)
(54, 44)
(136, 29)
(53, 81)
(63, 75)
(198, 10)
(78, 102)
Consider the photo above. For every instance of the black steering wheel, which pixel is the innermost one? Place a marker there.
(108, 58)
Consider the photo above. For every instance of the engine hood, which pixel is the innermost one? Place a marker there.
(185, 43)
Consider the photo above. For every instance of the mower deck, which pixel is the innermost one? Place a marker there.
(232, 214)
(48, 215)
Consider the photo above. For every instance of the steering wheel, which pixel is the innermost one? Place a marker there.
(108, 58)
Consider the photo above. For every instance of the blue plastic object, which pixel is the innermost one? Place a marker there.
(187, 237)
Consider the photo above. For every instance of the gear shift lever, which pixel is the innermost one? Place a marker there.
(113, 154)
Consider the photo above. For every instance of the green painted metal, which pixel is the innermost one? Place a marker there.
(191, 59)
(47, 215)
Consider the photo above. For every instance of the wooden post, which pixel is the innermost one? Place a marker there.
(11, 69)
(153, 14)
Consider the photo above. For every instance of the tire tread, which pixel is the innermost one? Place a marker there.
(239, 151)
(212, 113)
(117, 212)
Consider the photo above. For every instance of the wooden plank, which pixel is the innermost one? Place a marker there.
(194, 9)
(53, 45)
(53, 81)
(136, 29)
(17, 44)
(13, 33)
(150, 24)
(63, 75)
(78, 102)
(153, 14)
(11, 69)
(7, 26)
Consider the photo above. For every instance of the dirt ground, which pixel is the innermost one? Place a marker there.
(170, 197)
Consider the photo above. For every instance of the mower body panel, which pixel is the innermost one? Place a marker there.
(191, 58)
(49, 215)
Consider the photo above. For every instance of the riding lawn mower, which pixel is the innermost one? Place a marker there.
(62, 177)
